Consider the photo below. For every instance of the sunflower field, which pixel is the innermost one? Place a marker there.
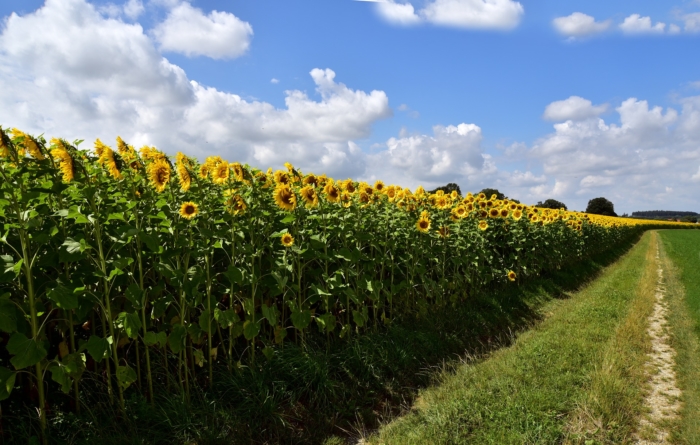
(116, 261)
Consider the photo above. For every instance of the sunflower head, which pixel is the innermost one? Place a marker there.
(159, 174)
(285, 197)
(189, 210)
(63, 158)
(346, 199)
(483, 225)
(365, 198)
(236, 204)
(454, 194)
(332, 192)
(443, 231)
(237, 170)
(423, 224)
(183, 176)
(481, 196)
(494, 213)
(220, 173)
(348, 185)
(310, 179)
(441, 201)
(511, 275)
(379, 186)
(204, 170)
(420, 191)
(517, 214)
(504, 212)
(309, 195)
(390, 192)
(262, 180)
(459, 212)
(287, 240)
(282, 177)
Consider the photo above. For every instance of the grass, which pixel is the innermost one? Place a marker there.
(568, 365)
(313, 395)
(683, 294)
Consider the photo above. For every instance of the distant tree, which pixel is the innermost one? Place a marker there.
(489, 192)
(689, 219)
(448, 188)
(551, 204)
(601, 206)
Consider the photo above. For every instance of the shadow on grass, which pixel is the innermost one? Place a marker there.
(308, 394)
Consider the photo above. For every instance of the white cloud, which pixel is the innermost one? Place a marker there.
(86, 76)
(636, 24)
(696, 176)
(219, 35)
(692, 22)
(275, 81)
(579, 24)
(573, 108)
(397, 13)
(452, 153)
(596, 181)
(674, 29)
(470, 14)
(133, 9)
(526, 179)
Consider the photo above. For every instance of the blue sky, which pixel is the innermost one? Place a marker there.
(495, 74)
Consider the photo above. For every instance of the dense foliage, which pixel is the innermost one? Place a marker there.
(601, 206)
(109, 256)
(551, 204)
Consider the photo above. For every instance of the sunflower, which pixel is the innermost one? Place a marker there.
(513, 206)
(459, 212)
(443, 231)
(494, 213)
(189, 210)
(331, 191)
(504, 213)
(4, 144)
(483, 225)
(482, 197)
(106, 160)
(237, 170)
(285, 197)
(310, 179)
(379, 186)
(423, 224)
(220, 173)
(490, 204)
(441, 201)
(184, 177)
(289, 166)
(64, 159)
(365, 188)
(29, 144)
(348, 185)
(262, 180)
(511, 275)
(159, 174)
(482, 204)
(517, 214)
(287, 240)
(346, 199)
(534, 218)
(454, 194)
(152, 154)
(204, 170)
(391, 192)
(469, 206)
(236, 204)
(281, 177)
(483, 214)
(420, 191)
(365, 198)
(126, 151)
(308, 193)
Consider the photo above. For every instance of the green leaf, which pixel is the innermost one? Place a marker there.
(301, 319)
(204, 320)
(8, 315)
(288, 219)
(150, 338)
(7, 382)
(98, 348)
(60, 376)
(177, 337)
(280, 334)
(72, 246)
(26, 351)
(135, 295)
(125, 376)
(234, 275)
(131, 323)
(359, 318)
(150, 241)
(118, 216)
(268, 352)
(198, 357)
(270, 313)
(250, 330)
(225, 318)
(64, 297)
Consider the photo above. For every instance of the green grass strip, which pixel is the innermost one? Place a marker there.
(526, 393)
(683, 293)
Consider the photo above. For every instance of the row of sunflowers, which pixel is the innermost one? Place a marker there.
(118, 262)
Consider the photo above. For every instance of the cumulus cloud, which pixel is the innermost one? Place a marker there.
(452, 154)
(636, 24)
(87, 76)
(275, 81)
(133, 9)
(470, 14)
(579, 24)
(696, 176)
(525, 179)
(631, 162)
(573, 108)
(219, 35)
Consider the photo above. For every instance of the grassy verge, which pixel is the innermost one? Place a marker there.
(564, 367)
(683, 294)
(308, 395)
